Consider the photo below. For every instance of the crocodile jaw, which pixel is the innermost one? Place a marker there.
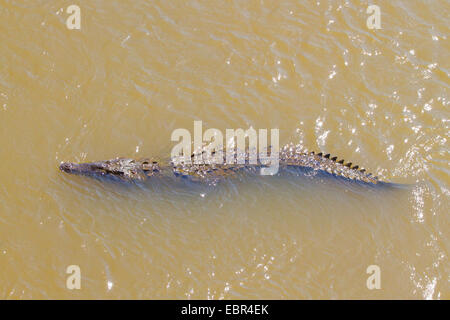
(88, 169)
(124, 169)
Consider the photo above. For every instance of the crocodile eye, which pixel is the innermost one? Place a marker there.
(146, 166)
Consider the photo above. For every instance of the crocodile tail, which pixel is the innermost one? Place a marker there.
(342, 169)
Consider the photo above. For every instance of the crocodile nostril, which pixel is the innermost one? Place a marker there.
(65, 166)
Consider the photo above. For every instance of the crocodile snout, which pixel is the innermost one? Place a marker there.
(83, 168)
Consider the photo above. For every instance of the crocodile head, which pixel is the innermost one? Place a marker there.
(122, 168)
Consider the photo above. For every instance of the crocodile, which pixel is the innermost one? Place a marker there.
(290, 156)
